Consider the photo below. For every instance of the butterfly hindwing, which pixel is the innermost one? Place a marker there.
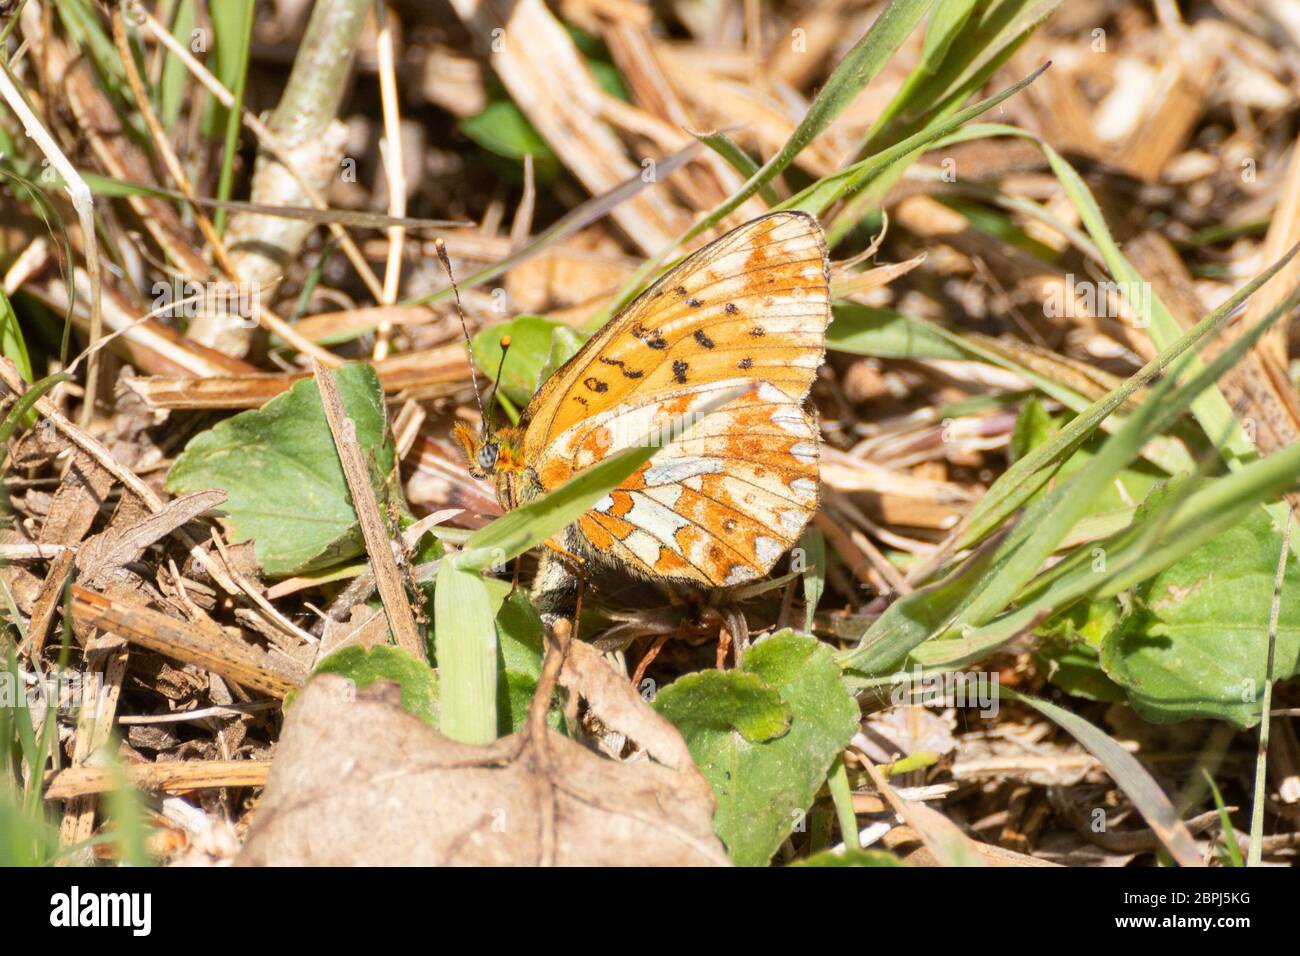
(719, 503)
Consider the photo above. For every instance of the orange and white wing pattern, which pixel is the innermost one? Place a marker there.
(753, 304)
(719, 503)
(722, 500)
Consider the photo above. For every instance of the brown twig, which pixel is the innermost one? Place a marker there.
(388, 578)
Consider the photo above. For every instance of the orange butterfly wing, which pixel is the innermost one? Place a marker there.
(721, 502)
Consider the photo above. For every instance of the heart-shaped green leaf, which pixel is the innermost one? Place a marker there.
(764, 783)
(284, 485)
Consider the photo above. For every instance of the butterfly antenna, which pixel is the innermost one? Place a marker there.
(441, 248)
(496, 385)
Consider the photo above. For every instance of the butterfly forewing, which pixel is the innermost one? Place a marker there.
(753, 304)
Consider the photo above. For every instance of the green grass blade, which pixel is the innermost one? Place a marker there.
(465, 639)
(19, 412)
(1211, 409)
(174, 81)
(859, 66)
(12, 345)
(1049, 519)
(1231, 846)
(885, 35)
(817, 197)
(997, 574)
(937, 87)
(737, 159)
(232, 25)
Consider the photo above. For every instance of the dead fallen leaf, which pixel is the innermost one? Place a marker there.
(359, 781)
(107, 551)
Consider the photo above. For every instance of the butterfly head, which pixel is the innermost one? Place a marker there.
(498, 456)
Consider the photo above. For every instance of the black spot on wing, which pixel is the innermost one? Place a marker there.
(679, 371)
(694, 303)
(731, 308)
(746, 363)
(619, 364)
(704, 340)
(595, 384)
(758, 331)
(652, 338)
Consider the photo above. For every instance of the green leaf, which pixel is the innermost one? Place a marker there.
(281, 474)
(520, 648)
(722, 701)
(538, 346)
(503, 130)
(362, 666)
(1068, 654)
(1033, 428)
(764, 786)
(1196, 644)
(851, 858)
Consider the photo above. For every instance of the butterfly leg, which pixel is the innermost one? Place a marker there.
(556, 591)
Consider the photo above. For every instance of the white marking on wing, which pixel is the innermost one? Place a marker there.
(654, 517)
(643, 546)
(793, 521)
(675, 470)
(666, 495)
(790, 420)
(739, 574)
(804, 451)
(768, 550)
(805, 488)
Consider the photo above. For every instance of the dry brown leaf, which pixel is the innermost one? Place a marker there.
(359, 781)
(109, 550)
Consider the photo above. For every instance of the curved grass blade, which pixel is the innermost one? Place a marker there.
(26, 402)
(817, 197)
(515, 532)
(1129, 775)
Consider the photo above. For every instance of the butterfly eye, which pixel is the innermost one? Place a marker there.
(487, 455)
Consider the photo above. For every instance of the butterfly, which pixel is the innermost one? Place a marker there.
(725, 497)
